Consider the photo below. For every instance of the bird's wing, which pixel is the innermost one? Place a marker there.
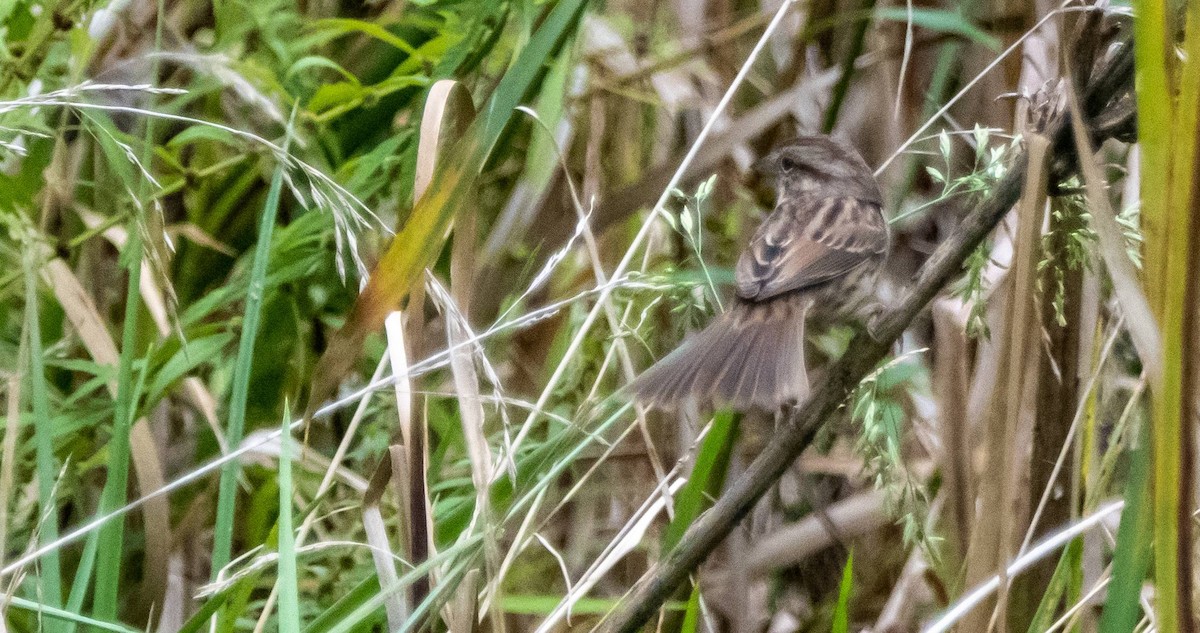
(808, 241)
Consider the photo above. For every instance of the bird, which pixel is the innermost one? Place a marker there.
(817, 256)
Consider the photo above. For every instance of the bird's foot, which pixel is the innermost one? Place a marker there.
(875, 314)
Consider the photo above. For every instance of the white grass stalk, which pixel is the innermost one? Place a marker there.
(1043, 549)
(642, 233)
(624, 543)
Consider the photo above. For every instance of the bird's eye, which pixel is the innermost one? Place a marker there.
(789, 165)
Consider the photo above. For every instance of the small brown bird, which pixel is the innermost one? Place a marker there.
(817, 256)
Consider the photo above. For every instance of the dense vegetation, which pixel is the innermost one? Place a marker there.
(316, 316)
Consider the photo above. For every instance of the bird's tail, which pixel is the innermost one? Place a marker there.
(749, 357)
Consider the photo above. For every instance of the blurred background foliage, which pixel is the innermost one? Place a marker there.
(210, 208)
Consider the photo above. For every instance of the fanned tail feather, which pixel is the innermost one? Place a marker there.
(750, 357)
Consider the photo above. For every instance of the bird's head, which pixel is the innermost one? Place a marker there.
(820, 163)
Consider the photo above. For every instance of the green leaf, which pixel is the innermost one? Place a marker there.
(941, 21)
(346, 26)
(330, 96)
(194, 354)
(515, 85)
(316, 62)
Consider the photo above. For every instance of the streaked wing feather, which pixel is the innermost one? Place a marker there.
(806, 242)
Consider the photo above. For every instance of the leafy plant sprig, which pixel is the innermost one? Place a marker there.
(878, 409)
(690, 224)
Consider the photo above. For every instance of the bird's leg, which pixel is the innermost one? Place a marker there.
(874, 316)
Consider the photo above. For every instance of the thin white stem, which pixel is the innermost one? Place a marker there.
(625, 262)
(971, 84)
(1043, 549)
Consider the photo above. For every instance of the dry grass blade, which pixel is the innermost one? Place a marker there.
(479, 452)
(409, 461)
(951, 376)
(448, 104)
(1143, 328)
(1022, 344)
(993, 540)
(460, 611)
(466, 386)
(376, 531)
(81, 311)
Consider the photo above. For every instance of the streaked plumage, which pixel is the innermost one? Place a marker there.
(817, 255)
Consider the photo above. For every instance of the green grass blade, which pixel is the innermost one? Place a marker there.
(240, 390)
(841, 614)
(704, 484)
(346, 605)
(691, 616)
(521, 77)
(1164, 236)
(855, 48)
(1132, 555)
(1061, 583)
(110, 542)
(58, 616)
(289, 598)
(1154, 134)
(83, 577)
(50, 582)
(201, 619)
(707, 478)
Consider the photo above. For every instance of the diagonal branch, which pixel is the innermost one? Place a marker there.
(1103, 103)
